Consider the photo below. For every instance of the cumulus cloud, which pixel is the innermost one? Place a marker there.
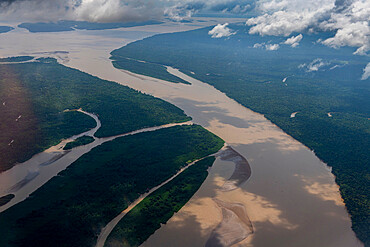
(237, 9)
(294, 40)
(366, 73)
(349, 19)
(258, 45)
(232, 6)
(351, 25)
(20, 10)
(315, 65)
(112, 10)
(183, 11)
(282, 17)
(319, 64)
(82, 10)
(268, 47)
(272, 47)
(221, 30)
(115, 10)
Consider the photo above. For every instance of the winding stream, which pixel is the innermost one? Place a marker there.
(110, 226)
(25, 178)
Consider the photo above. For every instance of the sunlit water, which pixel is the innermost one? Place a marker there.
(291, 197)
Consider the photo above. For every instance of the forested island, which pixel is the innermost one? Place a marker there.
(5, 199)
(72, 208)
(159, 207)
(83, 140)
(324, 86)
(150, 69)
(34, 98)
(16, 59)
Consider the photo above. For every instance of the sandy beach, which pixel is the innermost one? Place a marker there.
(242, 171)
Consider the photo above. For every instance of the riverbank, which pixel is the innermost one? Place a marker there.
(252, 77)
(99, 185)
(24, 178)
(49, 163)
(289, 183)
(106, 231)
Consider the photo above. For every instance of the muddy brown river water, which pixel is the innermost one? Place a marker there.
(291, 198)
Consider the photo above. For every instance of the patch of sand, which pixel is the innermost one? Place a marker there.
(293, 114)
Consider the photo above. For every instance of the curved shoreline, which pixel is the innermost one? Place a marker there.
(235, 225)
(110, 226)
(20, 177)
(242, 171)
(25, 178)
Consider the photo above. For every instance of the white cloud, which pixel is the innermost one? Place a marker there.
(354, 34)
(34, 10)
(111, 10)
(221, 30)
(268, 47)
(272, 47)
(183, 10)
(294, 40)
(258, 45)
(315, 65)
(366, 73)
(282, 17)
(82, 10)
(348, 19)
(114, 10)
(335, 66)
(237, 9)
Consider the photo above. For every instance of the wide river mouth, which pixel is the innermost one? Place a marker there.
(291, 197)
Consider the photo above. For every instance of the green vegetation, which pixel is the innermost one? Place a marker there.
(70, 209)
(46, 60)
(143, 220)
(254, 78)
(16, 59)
(83, 140)
(149, 69)
(5, 199)
(39, 92)
(25, 127)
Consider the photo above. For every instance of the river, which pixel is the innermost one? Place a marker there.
(110, 226)
(291, 197)
(24, 178)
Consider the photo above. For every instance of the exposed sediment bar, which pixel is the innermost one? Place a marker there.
(242, 171)
(234, 227)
